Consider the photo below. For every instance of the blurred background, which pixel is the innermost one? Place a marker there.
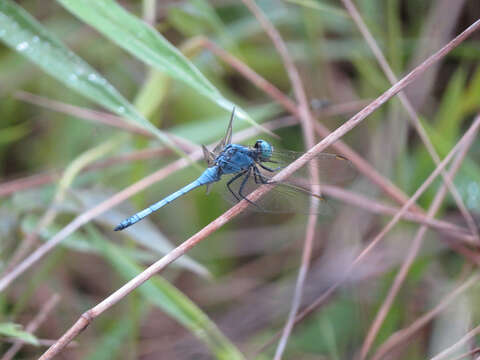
(61, 153)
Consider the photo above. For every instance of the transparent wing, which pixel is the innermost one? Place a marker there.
(331, 168)
(294, 194)
(227, 139)
(284, 197)
(208, 156)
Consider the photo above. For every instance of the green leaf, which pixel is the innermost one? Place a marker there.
(21, 32)
(145, 43)
(13, 133)
(445, 129)
(331, 10)
(15, 331)
(449, 115)
(470, 97)
(164, 295)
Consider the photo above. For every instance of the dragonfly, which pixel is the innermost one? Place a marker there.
(245, 168)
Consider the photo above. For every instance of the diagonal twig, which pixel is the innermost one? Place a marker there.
(468, 354)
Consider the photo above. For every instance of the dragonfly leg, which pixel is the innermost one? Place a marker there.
(256, 175)
(259, 178)
(232, 180)
(244, 181)
(268, 169)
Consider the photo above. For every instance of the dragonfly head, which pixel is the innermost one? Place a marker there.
(263, 149)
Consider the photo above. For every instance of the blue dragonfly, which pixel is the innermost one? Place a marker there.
(247, 168)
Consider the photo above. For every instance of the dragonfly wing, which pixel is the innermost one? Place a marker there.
(208, 156)
(282, 198)
(227, 139)
(331, 168)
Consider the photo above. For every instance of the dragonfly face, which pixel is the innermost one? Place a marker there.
(263, 150)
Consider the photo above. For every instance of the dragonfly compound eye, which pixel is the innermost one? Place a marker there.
(264, 148)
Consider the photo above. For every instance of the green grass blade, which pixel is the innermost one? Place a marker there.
(15, 331)
(331, 10)
(22, 33)
(162, 294)
(145, 43)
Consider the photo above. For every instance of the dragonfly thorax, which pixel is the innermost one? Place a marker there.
(234, 158)
(263, 150)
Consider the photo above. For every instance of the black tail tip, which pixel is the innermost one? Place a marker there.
(119, 227)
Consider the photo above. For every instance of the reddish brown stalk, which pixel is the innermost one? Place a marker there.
(468, 354)
(98, 117)
(87, 114)
(365, 203)
(412, 252)
(10, 187)
(307, 121)
(404, 335)
(88, 316)
(415, 119)
(33, 326)
(44, 342)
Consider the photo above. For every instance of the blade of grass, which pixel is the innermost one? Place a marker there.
(22, 33)
(15, 331)
(145, 43)
(312, 4)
